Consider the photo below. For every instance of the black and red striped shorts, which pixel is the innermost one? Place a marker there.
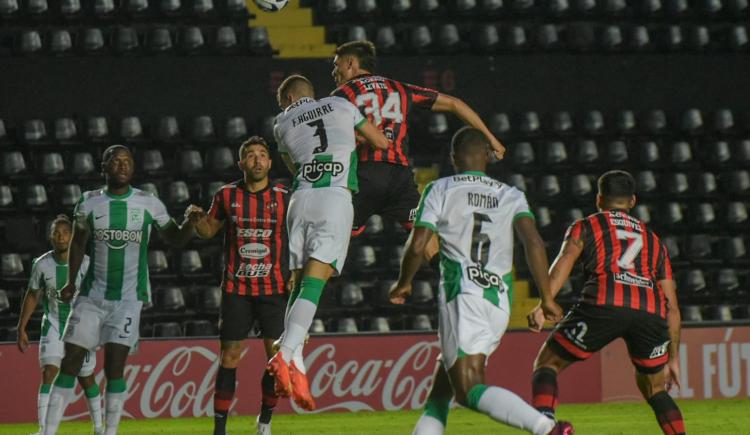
(586, 329)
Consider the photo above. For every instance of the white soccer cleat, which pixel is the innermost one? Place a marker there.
(99, 430)
(41, 432)
(263, 428)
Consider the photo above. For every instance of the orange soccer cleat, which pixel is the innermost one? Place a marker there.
(301, 389)
(279, 369)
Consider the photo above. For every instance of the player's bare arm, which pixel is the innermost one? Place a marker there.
(374, 136)
(178, 235)
(412, 261)
(536, 258)
(447, 103)
(669, 287)
(30, 300)
(77, 251)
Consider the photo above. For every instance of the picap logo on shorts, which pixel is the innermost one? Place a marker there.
(659, 350)
(315, 170)
(483, 278)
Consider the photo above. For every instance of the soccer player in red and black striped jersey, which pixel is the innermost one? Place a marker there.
(629, 293)
(252, 212)
(386, 180)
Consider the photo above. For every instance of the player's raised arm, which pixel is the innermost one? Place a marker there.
(456, 106)
(536, 258)
(374, 136)
(178, 235)
(207, 224)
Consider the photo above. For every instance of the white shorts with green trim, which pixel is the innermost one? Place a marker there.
(52, 351)
(319, 223)
(470, 325)
(95, 322)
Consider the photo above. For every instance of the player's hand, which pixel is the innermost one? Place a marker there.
(498, 150)
(551, 310)
(536, 319)
(399, 292)
(194, 214)
(67, 292)
(23, 340)
(672, 373)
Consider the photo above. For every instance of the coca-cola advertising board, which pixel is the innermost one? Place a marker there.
(175, 378)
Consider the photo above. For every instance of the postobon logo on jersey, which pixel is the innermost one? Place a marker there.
(483, 278)
(118, 239)
(314, 171)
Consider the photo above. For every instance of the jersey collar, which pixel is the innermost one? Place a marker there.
(241, 185)
(300, 102)
(477, 173)
(123, 196)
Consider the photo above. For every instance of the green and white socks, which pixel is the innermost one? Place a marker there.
(52, 403)
(42, 404)
(434, 419)
(115, 401)
(94, 402)
(506, 407)
(300, 318)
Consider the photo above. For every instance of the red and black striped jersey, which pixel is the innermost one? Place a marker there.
(623, 261)
(387, 104)
(256, 256)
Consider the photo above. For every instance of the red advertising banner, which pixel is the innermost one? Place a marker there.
(175, 378)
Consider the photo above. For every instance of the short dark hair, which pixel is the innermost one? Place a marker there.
(466, 138)
(616, 184)
(61, 219)
(112, 150)
(254, 140)
(364, 51)
(296, 83)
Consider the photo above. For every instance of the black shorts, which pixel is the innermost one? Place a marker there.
(586, 329)
(239, 314)
(387, 190)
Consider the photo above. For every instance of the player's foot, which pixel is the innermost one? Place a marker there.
(276, 346)
(563, 428)
(279, 369)
(301, 389)
(41, 432)
(263, 428)
(99, 430)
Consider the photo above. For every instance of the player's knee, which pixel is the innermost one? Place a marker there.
(548, 359)
(73, 360)
(230, 357)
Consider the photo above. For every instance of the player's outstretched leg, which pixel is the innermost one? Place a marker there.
(115, 356)
(467, 378)
(63, 388)
(434, 419)
(666, 410)
(94, 401)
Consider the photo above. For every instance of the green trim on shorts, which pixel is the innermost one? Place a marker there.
(451, 273)
(45, 388)
(311, 289)
(65, 381)
(438, 409)
(461, 353)
(427, 225)
(92, 391)
(474, 395)
(116, 385)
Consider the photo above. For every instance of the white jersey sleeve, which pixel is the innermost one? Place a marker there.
(36, 281)
(430, 206)
(520, 205)
(158, 212)
(82, 270)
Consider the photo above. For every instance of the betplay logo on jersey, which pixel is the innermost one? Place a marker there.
(315, 170)
(483, 278)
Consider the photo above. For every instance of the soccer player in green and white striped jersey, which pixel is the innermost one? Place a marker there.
(112, 226)
(475, 218)
(49, 274)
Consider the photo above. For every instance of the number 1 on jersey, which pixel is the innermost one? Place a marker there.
(320, 131)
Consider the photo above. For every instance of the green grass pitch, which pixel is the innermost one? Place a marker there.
(713, 417)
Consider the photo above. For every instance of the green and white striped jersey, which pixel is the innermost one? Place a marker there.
(319, 138)
(473, 215)
(119, 228)
(48, 276)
